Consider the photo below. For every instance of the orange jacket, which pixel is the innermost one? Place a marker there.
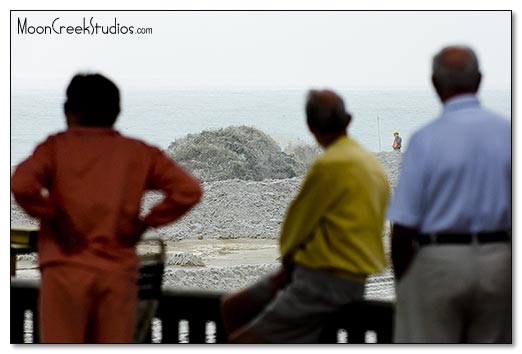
(86, 185)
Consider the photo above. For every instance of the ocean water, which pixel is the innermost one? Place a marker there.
(161, 116)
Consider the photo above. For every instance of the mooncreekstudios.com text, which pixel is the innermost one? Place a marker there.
(86, 27)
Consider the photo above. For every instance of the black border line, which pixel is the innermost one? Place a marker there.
(512, 87)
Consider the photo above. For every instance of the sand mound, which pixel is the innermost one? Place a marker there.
(234, 152)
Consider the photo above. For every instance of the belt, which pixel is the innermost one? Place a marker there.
(464, 238)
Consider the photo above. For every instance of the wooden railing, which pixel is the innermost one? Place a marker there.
(200, 308)
(169, 308)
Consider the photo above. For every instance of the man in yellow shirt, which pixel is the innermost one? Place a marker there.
(330, 242)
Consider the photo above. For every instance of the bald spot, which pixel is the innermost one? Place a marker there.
(328, 98)
(456, 58)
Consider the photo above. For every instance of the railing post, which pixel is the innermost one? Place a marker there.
(328, 334)
(169, 330)
(36, 325)
(197, 328)
(24, 296)
(356, 336)
(221, 333)
(17, 321)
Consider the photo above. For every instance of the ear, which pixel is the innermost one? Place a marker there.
(437, 88)
(310, 128)
(73, 119)
(348, 119)
(313, 131)
(479, 80)
(434, 83)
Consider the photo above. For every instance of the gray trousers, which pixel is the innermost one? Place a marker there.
(298, 312)
(456, 294)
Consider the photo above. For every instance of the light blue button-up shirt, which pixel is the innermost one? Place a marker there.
(456, 172)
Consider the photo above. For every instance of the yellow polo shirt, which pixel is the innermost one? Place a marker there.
(336, 221)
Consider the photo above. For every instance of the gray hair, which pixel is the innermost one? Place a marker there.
(454, 74)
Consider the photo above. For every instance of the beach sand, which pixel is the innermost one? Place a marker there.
(230, 239)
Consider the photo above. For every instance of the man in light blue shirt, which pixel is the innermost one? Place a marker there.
(451, 211)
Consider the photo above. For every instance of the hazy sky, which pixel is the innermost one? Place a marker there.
(366, 50)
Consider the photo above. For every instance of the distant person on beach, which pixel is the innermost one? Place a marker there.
(330, 241)
(85, 185)
(451, 240)
(397, 141)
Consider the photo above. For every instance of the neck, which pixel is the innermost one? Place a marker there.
(326, 140)
(445, 96)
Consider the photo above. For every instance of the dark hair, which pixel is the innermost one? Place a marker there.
(94, 98)
(456, 69)
(325, 112)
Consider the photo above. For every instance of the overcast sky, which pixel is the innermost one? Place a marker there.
(356, 50)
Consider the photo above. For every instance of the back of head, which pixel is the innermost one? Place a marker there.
(325, 112)
(455, 71)
(94, 99)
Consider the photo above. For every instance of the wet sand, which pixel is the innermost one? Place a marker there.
(220, 265)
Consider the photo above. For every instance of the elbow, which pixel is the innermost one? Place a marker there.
(20, 199)
(20, 190)
(192, 195)
(17, 186)
(23, 184)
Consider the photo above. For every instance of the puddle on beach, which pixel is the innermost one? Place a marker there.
(218, 255)
(229, 252)
(213, 252)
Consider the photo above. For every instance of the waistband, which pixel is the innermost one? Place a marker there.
(358, 277)
(328, 271)
(464, 238)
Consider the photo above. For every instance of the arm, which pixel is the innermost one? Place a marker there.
(182, 191)
(317, 193)
(32, 180)
(403, 248)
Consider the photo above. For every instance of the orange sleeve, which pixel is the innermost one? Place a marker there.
(182, 190)
(30, 179)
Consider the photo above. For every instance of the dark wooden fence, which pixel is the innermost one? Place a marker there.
(200, 308)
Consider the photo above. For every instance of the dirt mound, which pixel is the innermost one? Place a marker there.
(234, 153)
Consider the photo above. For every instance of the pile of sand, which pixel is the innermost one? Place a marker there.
(235, 152)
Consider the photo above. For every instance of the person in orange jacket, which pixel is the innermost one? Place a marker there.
(397, 141)
(85, 184)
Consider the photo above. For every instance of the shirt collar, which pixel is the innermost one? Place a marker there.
(461, 102)
(340, 140)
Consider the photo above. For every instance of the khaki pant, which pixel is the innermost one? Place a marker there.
(81, 305)
(297, 313)
(456, 294)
